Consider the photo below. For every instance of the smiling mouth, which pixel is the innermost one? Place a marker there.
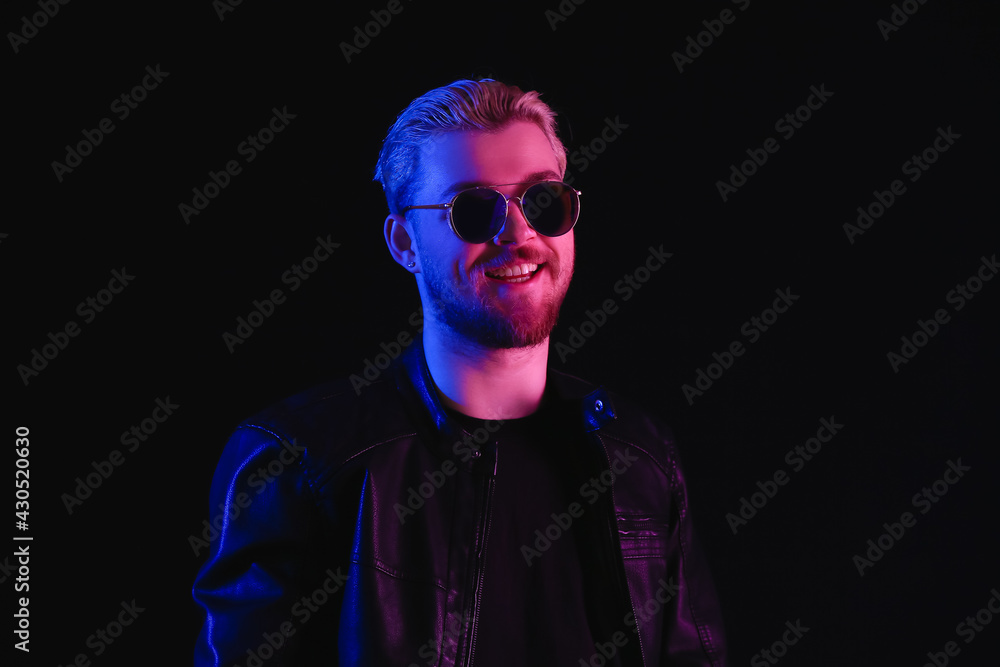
(514, 273)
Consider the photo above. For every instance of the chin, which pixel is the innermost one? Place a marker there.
(517, 323)
(521, 330)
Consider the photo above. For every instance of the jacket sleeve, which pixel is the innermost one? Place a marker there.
(266, 588)
(696, 635)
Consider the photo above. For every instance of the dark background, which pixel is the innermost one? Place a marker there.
(655, 184)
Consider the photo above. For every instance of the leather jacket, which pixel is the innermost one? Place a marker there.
(321, 558)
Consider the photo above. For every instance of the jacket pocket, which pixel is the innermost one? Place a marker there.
(643, 536)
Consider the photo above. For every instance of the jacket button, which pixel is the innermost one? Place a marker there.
(599, 405)
(476, 454)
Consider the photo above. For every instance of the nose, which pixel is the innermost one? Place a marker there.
(515, 228)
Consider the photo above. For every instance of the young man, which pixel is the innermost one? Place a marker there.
(472, 507)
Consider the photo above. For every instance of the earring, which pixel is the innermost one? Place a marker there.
(410, 265)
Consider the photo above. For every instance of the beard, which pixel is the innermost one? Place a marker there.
(515, 322)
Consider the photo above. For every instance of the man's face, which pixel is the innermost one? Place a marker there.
(456, 279)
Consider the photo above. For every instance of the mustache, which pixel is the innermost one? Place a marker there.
(521, 255)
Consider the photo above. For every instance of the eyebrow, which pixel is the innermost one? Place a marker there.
(545, 175)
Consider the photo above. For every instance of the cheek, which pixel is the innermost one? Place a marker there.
(440, 250)
(466, 263)
(455, 260)
(566, 251)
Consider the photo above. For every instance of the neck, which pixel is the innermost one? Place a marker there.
(482, 382)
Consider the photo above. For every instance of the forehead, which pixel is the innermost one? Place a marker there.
(518, 152)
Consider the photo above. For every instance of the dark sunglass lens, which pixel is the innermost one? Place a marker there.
(551, 208)
(478, 215)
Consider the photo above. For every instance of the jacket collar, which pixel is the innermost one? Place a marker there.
(413, 380)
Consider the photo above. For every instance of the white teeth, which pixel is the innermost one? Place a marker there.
(513, 270)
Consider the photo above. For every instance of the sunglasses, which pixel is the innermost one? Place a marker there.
(479, 214)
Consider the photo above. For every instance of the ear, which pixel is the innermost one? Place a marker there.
(400, 239)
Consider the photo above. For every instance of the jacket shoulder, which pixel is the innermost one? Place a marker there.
(633, 425)
(336, 420)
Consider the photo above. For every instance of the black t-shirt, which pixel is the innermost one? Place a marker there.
(534, 589)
